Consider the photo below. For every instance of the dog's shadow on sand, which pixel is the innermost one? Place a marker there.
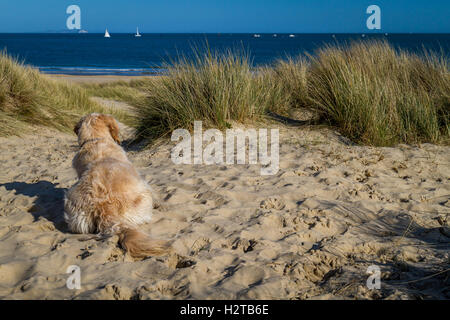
(49, 201)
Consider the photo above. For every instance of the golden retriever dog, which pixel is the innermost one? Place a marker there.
(110, 197)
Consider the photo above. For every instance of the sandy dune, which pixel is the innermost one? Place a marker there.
(310, 231)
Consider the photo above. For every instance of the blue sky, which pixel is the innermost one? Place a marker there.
(232, 16)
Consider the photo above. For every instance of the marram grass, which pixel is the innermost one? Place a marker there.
(29, 98)
(369, 91)
(379, 96)
(214, 88)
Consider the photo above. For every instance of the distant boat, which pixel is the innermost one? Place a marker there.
(291, 36)
(363, 35)
(275, 35)
(256, 36)
(82, 31)
(107, 34)
(137, 33)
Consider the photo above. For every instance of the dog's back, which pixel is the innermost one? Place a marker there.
(110, 193)
(96, 150)
(110, 196)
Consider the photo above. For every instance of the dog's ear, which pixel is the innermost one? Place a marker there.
(113, 127)
(77, 127)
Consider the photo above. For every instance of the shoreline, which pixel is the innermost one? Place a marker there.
(96, 78)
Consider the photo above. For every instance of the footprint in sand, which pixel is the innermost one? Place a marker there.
(204, 197)
(246, 245)
(272, 203)
(199, 244)
(248, 275)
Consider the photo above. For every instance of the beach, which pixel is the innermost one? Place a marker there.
(311, 231)
(82, 79)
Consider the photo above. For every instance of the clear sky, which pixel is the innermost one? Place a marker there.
(227, 16)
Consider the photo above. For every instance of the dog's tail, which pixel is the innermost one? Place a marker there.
(140, 245)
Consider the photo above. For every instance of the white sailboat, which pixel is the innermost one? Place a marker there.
(107, 34)
(137, 33)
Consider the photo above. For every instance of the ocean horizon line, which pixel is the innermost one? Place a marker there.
(231, 33)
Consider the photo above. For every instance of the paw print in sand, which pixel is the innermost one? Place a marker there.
(272, 203)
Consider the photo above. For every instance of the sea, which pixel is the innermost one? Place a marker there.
(125, 54)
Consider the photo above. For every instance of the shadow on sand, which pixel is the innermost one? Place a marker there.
(49, 202)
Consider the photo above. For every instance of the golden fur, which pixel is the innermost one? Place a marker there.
(110, 197)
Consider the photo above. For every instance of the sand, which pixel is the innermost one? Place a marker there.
(309, 232)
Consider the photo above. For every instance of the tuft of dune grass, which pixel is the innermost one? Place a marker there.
(291, 76)
(214, 88)
(29, 98)
(379, 96)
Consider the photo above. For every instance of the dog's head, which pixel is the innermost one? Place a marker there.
(95, 125)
